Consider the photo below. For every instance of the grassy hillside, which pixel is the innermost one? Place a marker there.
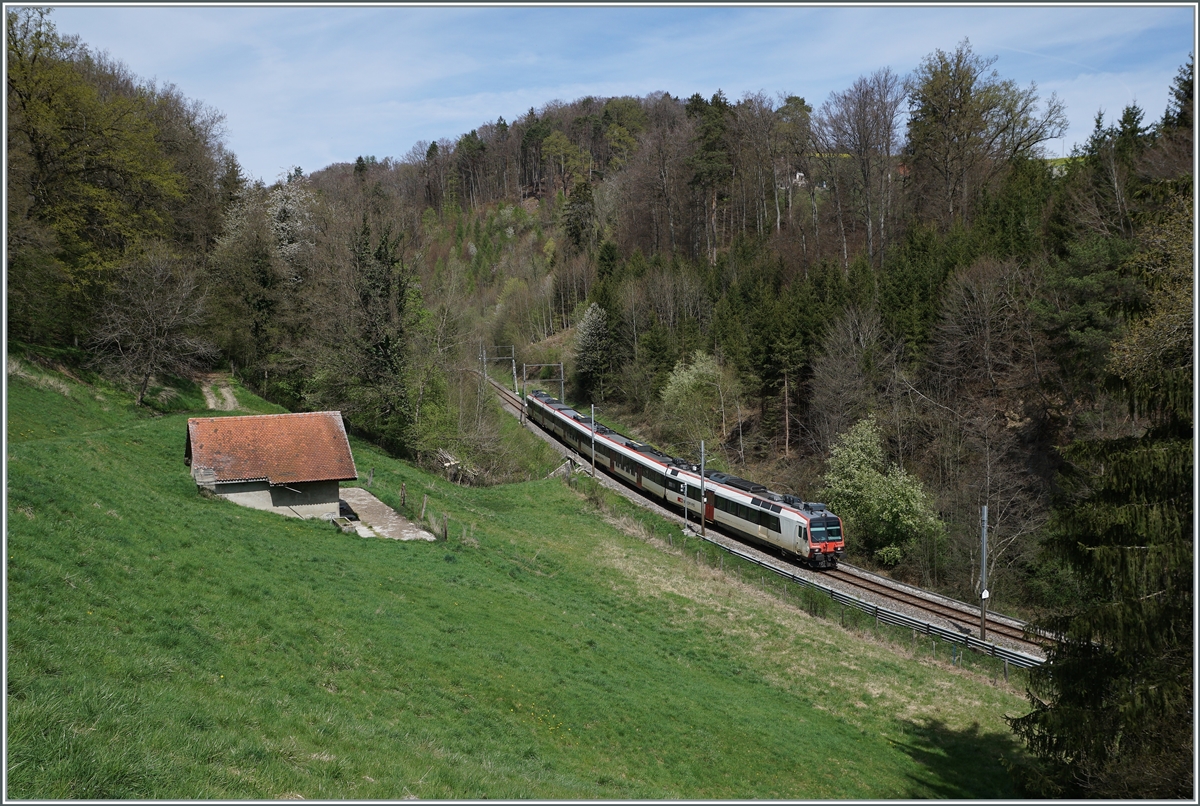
(164, 645)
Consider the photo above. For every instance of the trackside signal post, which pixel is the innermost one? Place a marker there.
(983, 578)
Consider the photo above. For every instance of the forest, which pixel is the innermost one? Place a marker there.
(890, 300)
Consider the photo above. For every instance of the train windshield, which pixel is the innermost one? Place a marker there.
(825, 530)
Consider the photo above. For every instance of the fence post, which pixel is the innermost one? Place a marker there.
(445, 526)
(403, 494)
(424, 501)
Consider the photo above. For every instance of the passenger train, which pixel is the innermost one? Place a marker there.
(805, 530)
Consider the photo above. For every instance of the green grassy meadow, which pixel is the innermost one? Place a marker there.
(162, 645)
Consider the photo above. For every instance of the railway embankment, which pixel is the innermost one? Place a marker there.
(925, 612)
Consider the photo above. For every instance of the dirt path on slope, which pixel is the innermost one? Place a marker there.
(214, 384)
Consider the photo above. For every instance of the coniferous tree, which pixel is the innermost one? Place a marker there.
(710, 162)
(1113, 706)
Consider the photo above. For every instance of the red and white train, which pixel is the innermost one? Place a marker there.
(806, 530)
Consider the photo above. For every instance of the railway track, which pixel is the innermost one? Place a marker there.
(508, 397)
(962, 616)
(849, 580)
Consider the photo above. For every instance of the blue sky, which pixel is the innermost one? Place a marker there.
(315, 85)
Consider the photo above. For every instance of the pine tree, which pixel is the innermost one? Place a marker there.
(1113, 706)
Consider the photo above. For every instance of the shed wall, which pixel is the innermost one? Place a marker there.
(305, 500)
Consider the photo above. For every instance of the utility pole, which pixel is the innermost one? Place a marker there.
(561, 380)
(787, 422)
(593, 440)
(702, 488)
(984, 594)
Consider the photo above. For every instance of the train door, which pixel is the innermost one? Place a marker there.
(709, 500)
(639, 475)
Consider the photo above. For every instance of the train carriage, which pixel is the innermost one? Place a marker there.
(804, 529)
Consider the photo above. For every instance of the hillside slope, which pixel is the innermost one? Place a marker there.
(164, 645)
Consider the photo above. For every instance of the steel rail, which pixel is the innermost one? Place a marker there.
(948, 609)
(886, 616)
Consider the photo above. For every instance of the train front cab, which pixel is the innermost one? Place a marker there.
(824, 539)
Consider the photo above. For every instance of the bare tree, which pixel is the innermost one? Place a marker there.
(862, 122)
(654, 182)
(983, 387)
(755, 145)
(150, 322)
(850, 375)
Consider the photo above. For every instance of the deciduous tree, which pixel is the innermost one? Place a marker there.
(700, 401)
(965, 124)
(862, 123)
(86, 177)
(150, 322)
(592, 352)
(886, 510)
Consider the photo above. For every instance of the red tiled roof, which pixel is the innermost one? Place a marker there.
(279, 448)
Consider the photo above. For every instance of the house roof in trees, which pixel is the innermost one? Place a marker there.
(276, 448)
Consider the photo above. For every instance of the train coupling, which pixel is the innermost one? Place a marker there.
(819, 560)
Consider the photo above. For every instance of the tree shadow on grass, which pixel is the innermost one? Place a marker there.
(960, 764)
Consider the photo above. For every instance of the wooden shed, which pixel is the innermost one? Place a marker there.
(287, 463)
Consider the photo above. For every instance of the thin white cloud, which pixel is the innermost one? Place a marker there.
(300, 85)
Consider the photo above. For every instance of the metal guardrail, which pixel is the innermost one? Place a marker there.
(881, 614)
